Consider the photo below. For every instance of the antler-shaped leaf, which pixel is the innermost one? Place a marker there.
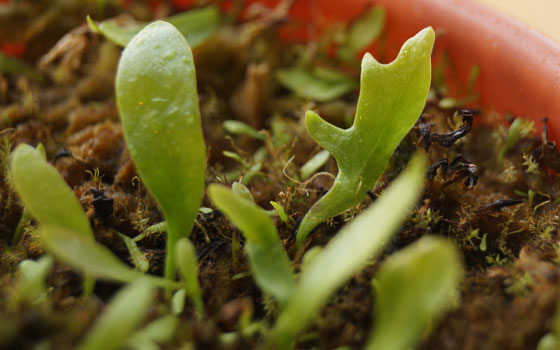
(391, 99)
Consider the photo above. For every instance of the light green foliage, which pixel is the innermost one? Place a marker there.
(518, 129)
(178, 301)
(158, 104)
(15, 66)
(347, 253)
(196, 25)
(363, 33)
(31, 283)
(320, 84)
(140, 261)
(239, 128)
(314, 164)
(186, 259)
(45, 193)
(280, 211)
(92, 258)
(391, 99)
(270, 264)
(413, 287)
(125, 311)
(160, 331)
(242, 191)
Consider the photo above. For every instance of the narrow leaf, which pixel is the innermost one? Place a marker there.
(269, 262)
(391, 99)
(158, 105)
(159, 331)
(15, 66)
(140, 261)
(45, 193)
(196, 26)
(320, 84)
(239, 128)
(126, 310)
(92, 258)
(363, 33)
(186, 258)
(314, 164)
(347, 253)
(414, 286)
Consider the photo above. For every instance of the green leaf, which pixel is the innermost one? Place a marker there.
(140, 261)
(15, 66)
(347, 253)
(160, 331)
(196, 26)
(158, 104)
(239, 128)
(269, 262)
(363, 33)
(320, 84)
(391, 99)
(186, 258)
(93, 258)
(126, 310)
(314, 164)
(280, 211)
(518, 129)
(31, 286)
(414, 287)
(45, 193)
(242, 191)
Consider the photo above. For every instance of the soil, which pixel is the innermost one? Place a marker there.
(502, 214)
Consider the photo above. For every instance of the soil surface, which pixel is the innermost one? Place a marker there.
(502, 213)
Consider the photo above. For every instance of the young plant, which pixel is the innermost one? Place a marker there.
(158, 105)
(196, 25)
(391, 99)
(330, 267)
(413, 287)
(63, 225)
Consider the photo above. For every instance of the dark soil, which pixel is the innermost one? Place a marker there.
(503, 215)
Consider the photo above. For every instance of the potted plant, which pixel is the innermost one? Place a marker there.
(274, 284)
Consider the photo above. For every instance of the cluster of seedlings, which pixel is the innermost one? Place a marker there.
(198, 218)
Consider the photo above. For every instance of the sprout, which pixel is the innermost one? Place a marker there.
(158, 104)
(391, 99)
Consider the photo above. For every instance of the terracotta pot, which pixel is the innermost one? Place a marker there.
(519, 67)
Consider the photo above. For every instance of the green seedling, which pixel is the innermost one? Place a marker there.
(239, 128)
(31, 287)
(319, 84)
(138, 259)
(518, 129)
(391, 99)
(413, 287)
(63, 225)
(158, 105)
(186, 259)
(269, 262)
(362, 33)
(315, 163)
(160, 331)
(196, 25)
(126, 310)
(280, 211)
(348, 252)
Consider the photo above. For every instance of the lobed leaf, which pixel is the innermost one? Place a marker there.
(126, 310)
(196, 26)
(158, 104)
(413, 287)
(269, 262)
(347, 253)
(391, 99)
(320, 84)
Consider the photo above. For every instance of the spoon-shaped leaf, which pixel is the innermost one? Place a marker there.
(158, 105)
(45, 193)
(391, 99)
(196, 25)
(126, 310)
(413, 287)
(347, 253)
(269, 261)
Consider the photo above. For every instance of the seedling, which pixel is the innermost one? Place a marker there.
(391, 99)
(158, 104)
(330, 267)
